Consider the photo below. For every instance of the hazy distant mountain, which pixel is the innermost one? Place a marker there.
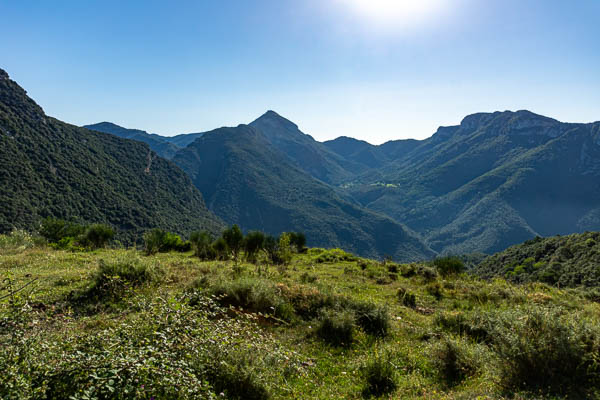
(247, 180)
(184, 139)
(161, 145)
(50, 168)
(495, 180)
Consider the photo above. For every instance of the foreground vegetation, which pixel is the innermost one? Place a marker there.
(120, 324)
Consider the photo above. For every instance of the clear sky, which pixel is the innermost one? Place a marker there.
(371, 69)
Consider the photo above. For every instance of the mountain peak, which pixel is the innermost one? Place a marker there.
(514, 119)
(272, 117)
(3, 74)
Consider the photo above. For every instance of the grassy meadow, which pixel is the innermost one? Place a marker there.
(118, 324)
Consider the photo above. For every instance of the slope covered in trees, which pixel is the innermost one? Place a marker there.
(247, 181)
(565, 261)
(50, 168)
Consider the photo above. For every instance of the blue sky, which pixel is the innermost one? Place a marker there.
(362, 68)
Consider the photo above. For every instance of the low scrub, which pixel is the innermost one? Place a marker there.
(372, 318)
(454, 360)
(157, 240)
(336, 327)
(379, 376)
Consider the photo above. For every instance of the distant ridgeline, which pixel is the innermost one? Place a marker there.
(52, 169)
(565, 261)
(495, 180)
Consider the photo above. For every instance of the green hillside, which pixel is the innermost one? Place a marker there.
(247, 181)
(565, 261)
(50, 168)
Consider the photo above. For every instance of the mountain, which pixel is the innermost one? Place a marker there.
(247, 180)
(183, 140)
(161, 145)
(50, 168)
(495, 180)
(565, 261)
(304, 152)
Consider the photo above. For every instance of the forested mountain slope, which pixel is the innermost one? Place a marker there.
(50, 168)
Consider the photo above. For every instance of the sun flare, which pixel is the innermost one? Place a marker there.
(404, 12)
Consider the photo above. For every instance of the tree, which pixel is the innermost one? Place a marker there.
(220, 248)
(98, 235)
(234, 239)
(201, 242)
(298, 240)
(253, 243)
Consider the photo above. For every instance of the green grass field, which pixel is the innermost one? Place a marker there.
(118, 324)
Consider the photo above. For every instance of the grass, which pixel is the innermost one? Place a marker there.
(314, 330)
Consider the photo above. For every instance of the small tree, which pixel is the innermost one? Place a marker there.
(253, 243)
(220, 248)
(201, 243)
(153, 240)
(298, 241)
(271, 247)
(285, 249)
(98, 235)
(234, 239)
(450, 265)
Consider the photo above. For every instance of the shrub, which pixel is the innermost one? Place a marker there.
(308, 278)
(453, 361)
(235, 377)
(221, 249)
(547, 350)
(379, 376)
(17, 240)
(407, 298)
(372, 318)
(234, 239)
(161, 241)
(450, 265)
(253, 243)
(98, 235)
(435, 289)
(54, 229)
(113, 278)
(336, 327)
(201, 243)
(298, 241)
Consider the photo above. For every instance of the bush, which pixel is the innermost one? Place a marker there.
(234, 239)
(113, 278)
(253, 243)
(17, 240)
(298, 241)
(435, 289)
(453, 361)
(372, 318)
(235, 377)
(547, 350)
(220, 249)
(379, 377)
(54, 229)
(201, 243)
(407, 298)
(336, 328)
(450, 265)
(98, 235)
(278, 249)
(161, 241)
(253, 295)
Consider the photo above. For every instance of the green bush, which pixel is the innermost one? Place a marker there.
(450, 265)
(220, 249)
(547, 350)
(407, 298)
(435, 289)
(453, 361)
(379, 377)
(157, 240)
(54, 229)
(234, 238)
(16, 241)
(372, 318)
(201, 243)
(298, 241)
(336, 327)
(253, 244)
(98, 235)
(113, 278)
(235, 377)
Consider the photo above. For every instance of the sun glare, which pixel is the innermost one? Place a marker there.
(396, 12)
